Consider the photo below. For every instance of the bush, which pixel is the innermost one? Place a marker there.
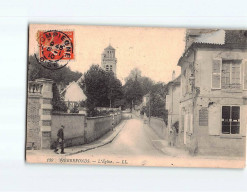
(75, 109)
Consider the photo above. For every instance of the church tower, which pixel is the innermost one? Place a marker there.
(108, 60)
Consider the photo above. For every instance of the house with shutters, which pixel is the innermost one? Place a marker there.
(213, 100)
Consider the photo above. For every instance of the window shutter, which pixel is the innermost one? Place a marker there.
(214, 120)
(243, 119)
(245, 74)
(216, 74)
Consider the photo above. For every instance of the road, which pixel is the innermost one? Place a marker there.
(134, 139)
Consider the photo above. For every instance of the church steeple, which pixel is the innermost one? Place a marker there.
(108, 59)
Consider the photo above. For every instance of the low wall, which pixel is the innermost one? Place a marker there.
(159, 127)
(96, 127)
(126, 115)
(74, 128)
(79, 129)
(117, 118)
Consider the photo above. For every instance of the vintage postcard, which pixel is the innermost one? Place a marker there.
(136, 96)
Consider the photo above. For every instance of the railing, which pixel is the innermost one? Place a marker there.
(35, 87)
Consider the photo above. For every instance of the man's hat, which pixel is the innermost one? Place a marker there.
(62, 126)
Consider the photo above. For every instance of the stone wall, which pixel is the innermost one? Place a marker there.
(39, 114)
(74, 128)
(159, 126)
(33, 118)
(43, 125)
(96, 127)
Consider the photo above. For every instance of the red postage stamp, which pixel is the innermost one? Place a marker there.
(56, 45)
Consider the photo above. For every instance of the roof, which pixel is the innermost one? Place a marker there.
(68, 86)
(215, 37)
(176, 81)
(211, 46)
(109, 47)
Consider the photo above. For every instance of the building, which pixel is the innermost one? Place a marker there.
(73, 94)
(213, 102)
(109, 60)
(172, 102)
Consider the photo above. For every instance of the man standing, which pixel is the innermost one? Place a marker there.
(60, 140)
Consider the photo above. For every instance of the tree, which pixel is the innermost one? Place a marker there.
(115, 91)
(101, 88)
(63, 75)
(133, 92)
(157, 101)
(57, 103)
(146, 84)
(133, 74)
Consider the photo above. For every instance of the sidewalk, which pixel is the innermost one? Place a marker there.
(106, 139)
(163, 146)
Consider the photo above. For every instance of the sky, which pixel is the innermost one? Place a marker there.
(155, 51)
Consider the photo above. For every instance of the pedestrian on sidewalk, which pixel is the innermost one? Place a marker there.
(172, 136)
(60, 140)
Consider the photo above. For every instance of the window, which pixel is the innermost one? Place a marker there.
(230, 74)
(230, 119)
(107, 68)
(110, 67)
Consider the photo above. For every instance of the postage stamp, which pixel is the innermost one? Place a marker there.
(56, 48)
(137, 96)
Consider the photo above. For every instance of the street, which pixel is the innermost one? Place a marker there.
(134, 139)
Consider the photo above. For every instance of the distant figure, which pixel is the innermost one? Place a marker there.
(60, 140)
(172, 136)
(145, 118)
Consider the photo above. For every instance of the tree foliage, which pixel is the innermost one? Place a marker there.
(63, 75)
(101, 88)
(57, 103)
(157, 102)
(137, 86)
(133, 92)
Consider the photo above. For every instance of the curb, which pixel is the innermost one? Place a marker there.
(99, 145)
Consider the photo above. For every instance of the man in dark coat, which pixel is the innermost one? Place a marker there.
(60, 140)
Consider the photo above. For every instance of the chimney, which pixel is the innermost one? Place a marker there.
(173, 75)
